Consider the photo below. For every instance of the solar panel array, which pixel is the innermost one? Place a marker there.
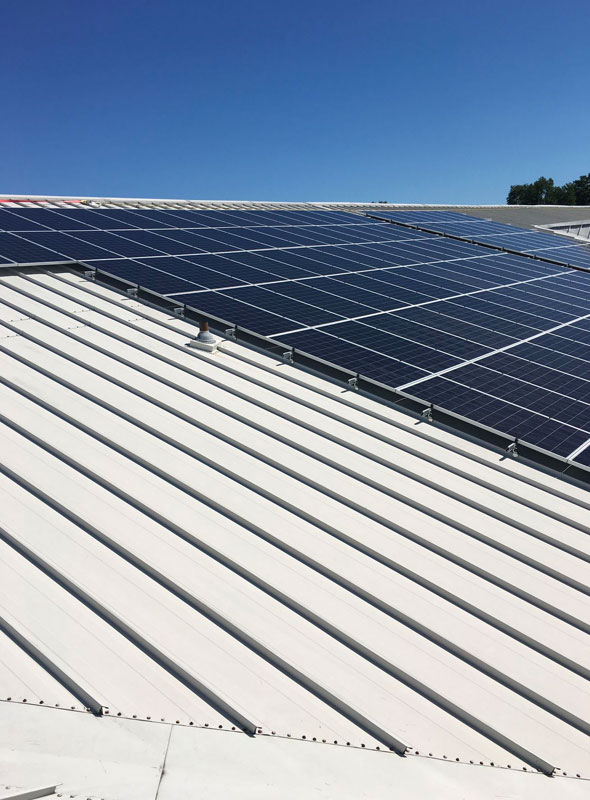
(524, 240)
(499, 339)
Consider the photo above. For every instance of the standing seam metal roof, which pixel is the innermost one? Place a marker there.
(226, 540)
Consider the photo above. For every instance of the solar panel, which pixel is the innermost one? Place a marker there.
(497, 234)
(499, 339)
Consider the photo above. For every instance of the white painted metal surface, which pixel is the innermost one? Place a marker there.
(145, 761)
(221, 540)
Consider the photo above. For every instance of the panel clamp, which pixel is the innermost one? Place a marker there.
(288, 357)
(354, 383)
(178, 311)
(427, 413)
(512, 448)
(132, 291)
(231, 333)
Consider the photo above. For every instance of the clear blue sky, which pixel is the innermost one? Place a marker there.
(408, 101)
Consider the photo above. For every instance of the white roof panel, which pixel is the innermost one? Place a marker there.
(225, 540)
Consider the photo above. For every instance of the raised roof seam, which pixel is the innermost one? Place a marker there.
(288, 441)
(280, 501)
(58, 674)
(178, 672)
(96, 448)
(469, 531)
(308, 561)
(413, 475)
(245, 639)
(311, 616)
(518, 497)
(298, 555)
(132, 635)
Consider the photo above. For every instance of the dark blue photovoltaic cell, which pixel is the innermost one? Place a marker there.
(158, 280)
(73, 219)
(339, 288)
(578, 255)
(377, 282)
(209, 274)
(13, 248)
(575, 333)
(573, 282)
(457, 278)
(223, 240)
(369, 233)
(511, 237)
(322, 261)
(537, 353)
(392, 303)
(241, 218)
(438, 340)
(421, 216)
(217, 219)
(580, 324)
(523, 393)
(499, 414)
(305, 236)
(304, 217)
(522, 240)
(546, 299)
(226, 308)
(342, 353)
(228, 265)
(185, 218)
(513, 364)
(435, 249)
(583, 457)
(519, 264)
(413, 353)
(370, 255)
(114, 219)
(275, 263)
(296, 314)
(310, 294)
(506, 299)
(16, 222)
(118, 218)
(442, 319)
(177, 241)
(402, 280)
(38, 219)
(561, 344)
(519, 311)
(261, 238)
(230, 274)
(505, 320)
(141, 243)
(72, 247)
(474, 227)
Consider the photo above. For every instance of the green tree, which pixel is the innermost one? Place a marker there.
(582, 190)
(543, 191)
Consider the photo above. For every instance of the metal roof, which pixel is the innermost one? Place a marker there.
(526, 216)
(578, 229)
(223, 540)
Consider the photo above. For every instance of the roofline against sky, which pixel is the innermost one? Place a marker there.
(48, 198)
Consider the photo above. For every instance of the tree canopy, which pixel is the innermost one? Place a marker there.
(544, 192)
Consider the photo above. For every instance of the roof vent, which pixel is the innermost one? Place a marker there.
(205, 340)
